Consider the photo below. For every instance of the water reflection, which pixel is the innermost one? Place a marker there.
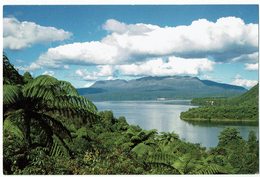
(164, 116)
(215, 123)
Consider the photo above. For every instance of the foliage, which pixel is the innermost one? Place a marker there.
(10, 75)
(243, 108)
(50, 129)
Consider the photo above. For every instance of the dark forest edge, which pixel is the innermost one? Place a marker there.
(243, 108)
(48, 128)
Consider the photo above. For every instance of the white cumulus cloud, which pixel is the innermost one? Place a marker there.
(103, 71)
(244, 82)
(50, 73)
(251, 67)
(174, 66)
(227, 39)
(18, 35)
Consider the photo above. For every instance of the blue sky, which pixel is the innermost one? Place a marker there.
(82, 44)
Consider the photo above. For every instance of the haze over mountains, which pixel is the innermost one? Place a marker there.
(152, 88)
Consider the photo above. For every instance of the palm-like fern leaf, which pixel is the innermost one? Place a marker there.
(10, 126)
(12, 93)
(68, 88)
(44, 87)
(161, 157)
(57, 148)
(57, 126)
(209, 169)
(73, 101)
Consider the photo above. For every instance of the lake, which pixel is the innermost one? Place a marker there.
(165, 117)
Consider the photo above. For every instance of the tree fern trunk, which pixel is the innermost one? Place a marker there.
(27, 122)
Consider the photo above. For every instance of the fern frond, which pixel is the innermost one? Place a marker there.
(57, 126)
(209, 169)
(58, 149)
(68, 88)
(73, 101)
(42, 81)
(45, 87)
(161, 157)
(45, 92)
(12, 93)
(86, 116)
(11, 124)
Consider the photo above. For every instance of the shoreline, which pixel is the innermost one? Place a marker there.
(218, 120)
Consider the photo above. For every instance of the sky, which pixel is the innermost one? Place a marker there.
(83, 44)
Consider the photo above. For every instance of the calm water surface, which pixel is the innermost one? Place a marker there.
(165, 117)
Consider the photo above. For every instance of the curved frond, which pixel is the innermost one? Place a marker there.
(86, 116)
(11, 124)
(209, 169)
(71, 107)
(12, 93)
(57, 126)
(42, 80)
(160, 157)
(58, 149)
(44, 87)
(68, 88)
(12, 128)
(74, 101)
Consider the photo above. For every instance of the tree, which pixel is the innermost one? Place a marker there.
(229, 136)
(44, 101)
(27, 77)
(10, 75)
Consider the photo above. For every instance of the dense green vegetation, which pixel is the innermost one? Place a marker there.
(243, 108)
(49, 129)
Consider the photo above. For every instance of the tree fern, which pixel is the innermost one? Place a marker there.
(12, 93)
(45, 99)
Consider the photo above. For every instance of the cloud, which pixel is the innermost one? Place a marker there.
(252, 58)
(88, 84)
(87, 53)
(207, 77)
(251, 67)
(85, 75)
(154, 67)
(50, 73)
(19, 35)
(103, 71)
(174, 66)
(227, 39)
(112, 25)
(244, 82)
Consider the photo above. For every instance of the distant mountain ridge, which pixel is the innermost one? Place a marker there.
(154, 87)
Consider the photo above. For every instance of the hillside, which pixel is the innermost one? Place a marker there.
(151, 88)
(248, 98)
(243, 108)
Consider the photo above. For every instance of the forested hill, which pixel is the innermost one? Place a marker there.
(151, 88)
(248, 98)
(242, 108)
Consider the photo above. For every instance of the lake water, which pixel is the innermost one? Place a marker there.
(165, 117)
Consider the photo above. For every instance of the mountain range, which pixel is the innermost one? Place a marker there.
(152, 88)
